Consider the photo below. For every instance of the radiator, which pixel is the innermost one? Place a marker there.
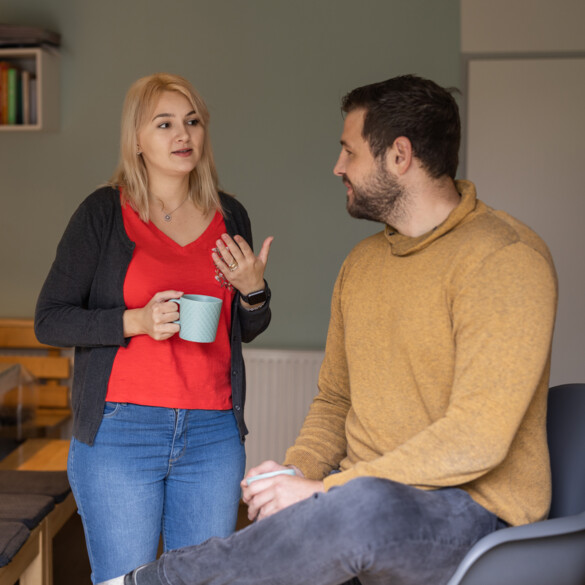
(280, 386)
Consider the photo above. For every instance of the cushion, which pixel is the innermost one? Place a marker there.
(12, 536)
(29, 509)
(46, 483)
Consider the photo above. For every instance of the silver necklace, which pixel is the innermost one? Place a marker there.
(167, 216)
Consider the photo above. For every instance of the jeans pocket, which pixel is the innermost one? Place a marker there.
(110, 409)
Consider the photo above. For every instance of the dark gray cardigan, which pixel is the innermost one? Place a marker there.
(81, 304)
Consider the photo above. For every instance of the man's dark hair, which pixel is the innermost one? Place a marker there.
(424, 112)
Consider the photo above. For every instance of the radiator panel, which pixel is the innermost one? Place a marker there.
(281, 385)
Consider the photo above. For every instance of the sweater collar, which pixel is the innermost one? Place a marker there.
(404, 245)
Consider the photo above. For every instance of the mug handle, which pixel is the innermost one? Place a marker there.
(178, 301)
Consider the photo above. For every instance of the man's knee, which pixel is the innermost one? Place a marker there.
(366, 503)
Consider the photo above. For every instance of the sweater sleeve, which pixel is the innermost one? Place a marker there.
(503, 319)
(321, 444)
(67, 312)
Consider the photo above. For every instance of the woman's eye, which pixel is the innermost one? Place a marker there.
(164, 125)
(193, 122)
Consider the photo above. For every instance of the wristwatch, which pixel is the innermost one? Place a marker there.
(256, 297)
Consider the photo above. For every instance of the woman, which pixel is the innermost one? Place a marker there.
(158, 421)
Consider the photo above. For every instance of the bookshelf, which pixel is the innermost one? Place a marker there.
(42, 65)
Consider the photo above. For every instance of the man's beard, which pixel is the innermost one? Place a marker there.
(379, 198)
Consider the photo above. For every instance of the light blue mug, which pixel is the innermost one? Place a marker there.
(199, 317)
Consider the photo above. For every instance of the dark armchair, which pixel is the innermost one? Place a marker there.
(551, 552)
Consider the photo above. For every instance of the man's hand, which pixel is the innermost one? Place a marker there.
(265, 497)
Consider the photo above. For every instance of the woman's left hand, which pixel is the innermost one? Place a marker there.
(241, 268)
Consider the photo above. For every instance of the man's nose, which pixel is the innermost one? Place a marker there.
(339, 168)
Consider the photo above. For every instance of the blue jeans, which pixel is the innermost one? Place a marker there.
(380, 531)
(152, 471)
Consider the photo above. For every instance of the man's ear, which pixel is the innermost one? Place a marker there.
(399, 156)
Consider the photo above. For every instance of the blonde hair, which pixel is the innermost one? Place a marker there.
(131, 174)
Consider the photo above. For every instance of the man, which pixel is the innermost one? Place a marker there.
(428, 431)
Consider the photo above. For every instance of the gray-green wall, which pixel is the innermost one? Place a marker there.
(272, 73)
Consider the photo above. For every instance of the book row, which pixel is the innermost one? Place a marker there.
(18, 95)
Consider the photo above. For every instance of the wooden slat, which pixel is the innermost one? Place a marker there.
(53, 396)
(15, 397)
(39, 396)
(51, 420)
(41, 366)
(18, 333)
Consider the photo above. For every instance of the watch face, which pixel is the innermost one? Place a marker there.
(256, 297)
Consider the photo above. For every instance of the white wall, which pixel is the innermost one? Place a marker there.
(272, 73)
(525, 89)
(508, 26)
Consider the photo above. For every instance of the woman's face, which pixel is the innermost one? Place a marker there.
(171, 139)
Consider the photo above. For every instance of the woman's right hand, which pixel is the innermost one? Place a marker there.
(155, 318)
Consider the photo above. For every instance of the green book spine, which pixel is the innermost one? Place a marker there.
(12, 95)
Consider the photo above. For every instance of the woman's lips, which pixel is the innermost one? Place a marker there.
(183, 152)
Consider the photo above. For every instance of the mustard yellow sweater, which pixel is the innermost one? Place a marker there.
(437, 363)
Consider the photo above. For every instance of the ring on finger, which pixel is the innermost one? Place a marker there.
(233, 266)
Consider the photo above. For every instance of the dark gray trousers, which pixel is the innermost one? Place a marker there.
(380, 531)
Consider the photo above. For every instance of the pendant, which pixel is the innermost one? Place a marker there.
(167, 217)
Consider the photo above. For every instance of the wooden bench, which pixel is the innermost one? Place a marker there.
(26, 567)
(50, 366)
(33, 563)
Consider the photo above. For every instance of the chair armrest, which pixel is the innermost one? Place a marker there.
(542, 553)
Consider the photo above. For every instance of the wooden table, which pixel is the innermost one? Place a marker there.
(33, 564)
(38, 455)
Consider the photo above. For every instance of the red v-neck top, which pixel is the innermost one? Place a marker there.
(173, 373)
